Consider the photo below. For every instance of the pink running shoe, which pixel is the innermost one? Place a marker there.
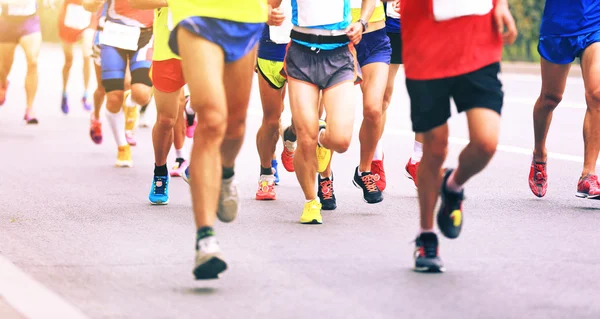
(179, 168)
(96, 131)
(190, 128)
(130, 138)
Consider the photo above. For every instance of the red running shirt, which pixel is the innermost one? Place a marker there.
(435, 50)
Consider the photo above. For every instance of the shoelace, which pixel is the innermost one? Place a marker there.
(430, 249)
(593, 182)
(369, 183)
(159, 190)
(540, 174)
(327, 189)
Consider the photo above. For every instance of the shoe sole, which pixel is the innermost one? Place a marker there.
(159, 203)
(124, 165)
(327, 208)
(366, 201)
(265, 198)
(586, 196)
(432, 269)
(313, 222)
(210, 269)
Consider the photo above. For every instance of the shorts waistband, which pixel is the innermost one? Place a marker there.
(310, 50)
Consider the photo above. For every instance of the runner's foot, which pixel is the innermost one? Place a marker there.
(229, 201)
(325, 192)
(379, 174)
(179, 167)
(64, 106)
(130, 138)
(30, 120)
(86, 104)
(323, 154)
(311, 214)
(289, 148)
(124, 157)
(96, 130)
(266, 188)
(538, 178)
(159, 192)
(411, 170)
(209, 263)
(275, 165)
(588, 187)
(366, 182)
(450, 215)
(427, 257)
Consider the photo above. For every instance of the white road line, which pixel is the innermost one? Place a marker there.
(30, 298)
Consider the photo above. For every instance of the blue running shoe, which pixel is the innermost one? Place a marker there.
(274, 166)
(186, 175)
(159, 192)
(65, 105)
(86, 104)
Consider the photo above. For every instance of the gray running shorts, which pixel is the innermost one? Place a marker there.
(322, 68)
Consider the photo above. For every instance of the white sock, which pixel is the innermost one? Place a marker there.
(378, 156)
(117, 125)
(451, 184)
(417, 153)
(188, 108)
(319, 137)
(422, 230)
(179, 153)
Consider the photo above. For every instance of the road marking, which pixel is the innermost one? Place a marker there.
(30, 298)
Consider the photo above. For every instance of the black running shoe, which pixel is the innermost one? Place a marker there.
(325, 193)
(450, 215)
(427, 258)
(366, 182)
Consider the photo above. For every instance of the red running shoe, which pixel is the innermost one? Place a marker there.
(287, 156)
(538, 178)
(411, 170)
(378, 174)
(588, 187)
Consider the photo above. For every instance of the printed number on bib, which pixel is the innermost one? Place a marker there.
(21, 8)
(281, 34)
(391, 10)
(313, 13)
(76, 17)
(120, 36)
(450, 9)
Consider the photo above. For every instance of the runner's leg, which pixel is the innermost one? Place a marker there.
(87, 41)
(66, 72)
(7, 54)
(31, 44)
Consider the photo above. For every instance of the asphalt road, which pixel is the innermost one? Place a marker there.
(86, 231)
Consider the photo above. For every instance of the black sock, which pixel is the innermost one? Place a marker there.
(161, 170)
(204, 232)
(227, 172)
(266, 171)
(143, 108)
(179, 160)
(288, 135)
(190, 119)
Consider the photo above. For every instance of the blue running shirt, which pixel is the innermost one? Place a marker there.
(336, 14)
(570, 17)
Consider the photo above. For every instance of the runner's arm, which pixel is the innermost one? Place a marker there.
(275, 3)
(148, 4)
(367, 8)
(92, 5)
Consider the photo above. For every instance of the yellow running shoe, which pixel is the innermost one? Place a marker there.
(312, 213)
(323, 154)
(124, 157)
(131, 113)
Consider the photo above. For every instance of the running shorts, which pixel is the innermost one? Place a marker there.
(271, 72)
(236, 39)
(374, 47)
(430, 99)
(167, 75)
(321, 68)
(564, 50)
(114, 63)
(396, 43)
(12, 29)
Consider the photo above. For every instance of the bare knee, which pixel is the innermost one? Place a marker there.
(271, 122)
(372, 113)
(165, 122)
(435, 147)
(68, 62)
(141, 94)
(549, 101)
(485, 147)
(212, 125)
(114, 100)
(593, 98)
(340, 143)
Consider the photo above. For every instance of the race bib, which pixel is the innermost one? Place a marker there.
(22, 8)
(120, 36)
(281, 34)
(450, 9)
(170, 21)
(76, 17)
(390, 10)
(313, 13)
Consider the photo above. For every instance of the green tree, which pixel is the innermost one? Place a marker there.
(528, 15)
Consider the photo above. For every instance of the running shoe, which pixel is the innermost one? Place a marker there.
(379, 174)
(124, 157)
(311, 214)
(325, 192)
(131, 112)
(229, 200)
(588, 187)
(538, 178)
(186, 175)
(3, 93)
(159, 192)
(130, 138)
(411, 171)
(450, 215)
(86, 104)
(427, 258)
(266, 188)
(323, 154)
(30, 120)
(275, 165)
(190, 123)
(179, 167)
(64, 106)
(209, 262)
(287, 155)
(96, 130)
(366, 182)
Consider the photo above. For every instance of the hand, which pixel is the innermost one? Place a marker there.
(354, 32)
(396, 6)
(502, 18)
(276, 16)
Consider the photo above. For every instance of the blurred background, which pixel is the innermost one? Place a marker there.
(527, 13)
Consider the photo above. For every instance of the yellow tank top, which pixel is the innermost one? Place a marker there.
(245, 11)
(378, 14)
(161, 31)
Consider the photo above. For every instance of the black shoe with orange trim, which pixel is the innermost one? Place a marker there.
(427, 257)
(366, 182)
(325, 193)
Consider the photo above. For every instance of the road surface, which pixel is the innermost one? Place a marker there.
(76, 229)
